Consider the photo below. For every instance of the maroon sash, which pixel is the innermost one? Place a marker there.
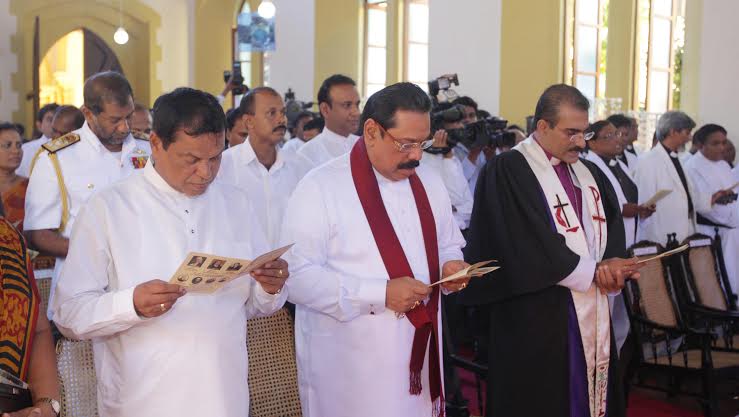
(424, 317)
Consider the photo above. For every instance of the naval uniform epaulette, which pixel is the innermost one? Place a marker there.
(137, 134)
(56, 145)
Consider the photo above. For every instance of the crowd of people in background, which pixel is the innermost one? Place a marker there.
(54, 179)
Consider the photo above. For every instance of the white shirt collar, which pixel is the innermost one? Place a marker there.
(248, 155)
(155, 179)
(329, 134)
(88, 136)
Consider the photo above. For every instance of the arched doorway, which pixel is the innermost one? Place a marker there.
(73, 58)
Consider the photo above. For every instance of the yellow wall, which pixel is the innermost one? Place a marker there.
(690, 94)
(339, 40)
(138, 57)
(622, 19)
(531, 54)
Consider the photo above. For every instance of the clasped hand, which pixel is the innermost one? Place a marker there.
(611, 274)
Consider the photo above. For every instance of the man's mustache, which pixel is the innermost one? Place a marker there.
(578, 149)
(280, 127)
(409, 165)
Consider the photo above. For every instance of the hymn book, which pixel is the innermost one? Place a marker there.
(664, 254)
(471, 271)
(206, 273)
(659, 195)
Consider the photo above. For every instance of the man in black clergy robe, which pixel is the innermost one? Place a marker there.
(537, 362)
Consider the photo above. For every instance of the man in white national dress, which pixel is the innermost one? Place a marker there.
(371, 233)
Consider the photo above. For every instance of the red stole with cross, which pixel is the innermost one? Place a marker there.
(425, 316)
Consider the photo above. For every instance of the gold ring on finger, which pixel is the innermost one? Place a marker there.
(162, 307)
(279, 272)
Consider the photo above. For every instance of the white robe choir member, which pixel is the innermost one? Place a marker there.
(656, 171)
(191, 360)
(450, 171)
(86, 168)
(325, 147)
(353, 353)
(268, 190)
(711, 177)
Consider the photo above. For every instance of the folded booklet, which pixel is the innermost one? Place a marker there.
(664, 254)
(659, 195)
(471, 271)
(202, 272)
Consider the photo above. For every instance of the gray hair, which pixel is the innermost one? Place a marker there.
(673, 120)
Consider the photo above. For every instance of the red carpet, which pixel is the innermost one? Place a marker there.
(640, 404)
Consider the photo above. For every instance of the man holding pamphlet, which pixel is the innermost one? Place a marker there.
(554, 223)
(162, 350)
(373, 232)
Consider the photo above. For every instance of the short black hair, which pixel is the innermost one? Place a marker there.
(193, 111)
(382, 106)
(466, 101)
(51, 107)
(106, 87)
(20, 128)
(8, 126)
(334, 80)
(620, 120)
(547, 108)
(232, 115)
(597, 127)
(701, 135)
(316, 123)
(250, 98)
(78, 119)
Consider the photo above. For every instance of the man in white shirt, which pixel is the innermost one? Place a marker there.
(160, 351)
(711, 173)
(258, 166)
(371, 233)
(338, 101)
(297, 130)
(661, 169)
(75, 166)
(66, 120)
(44, 120)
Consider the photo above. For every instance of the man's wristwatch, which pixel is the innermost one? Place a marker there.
(55, 405)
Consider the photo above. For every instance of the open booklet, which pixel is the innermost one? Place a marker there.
(202, 272)
(659, 195)
(471, 271)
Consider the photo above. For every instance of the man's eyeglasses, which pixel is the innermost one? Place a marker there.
(408, 147)
(585, 136)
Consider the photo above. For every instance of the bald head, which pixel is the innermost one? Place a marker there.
(66, 119)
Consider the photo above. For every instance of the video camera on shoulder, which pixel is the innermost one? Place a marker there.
(238, 79)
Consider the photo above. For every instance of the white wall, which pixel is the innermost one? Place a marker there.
(719, 66)
(292, 63)
(8, 63)
(464, 38)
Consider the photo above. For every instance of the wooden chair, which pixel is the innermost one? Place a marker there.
(708, 303)
(657, 322)
(273, 374)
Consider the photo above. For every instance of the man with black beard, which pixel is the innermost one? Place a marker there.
(74, 166)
